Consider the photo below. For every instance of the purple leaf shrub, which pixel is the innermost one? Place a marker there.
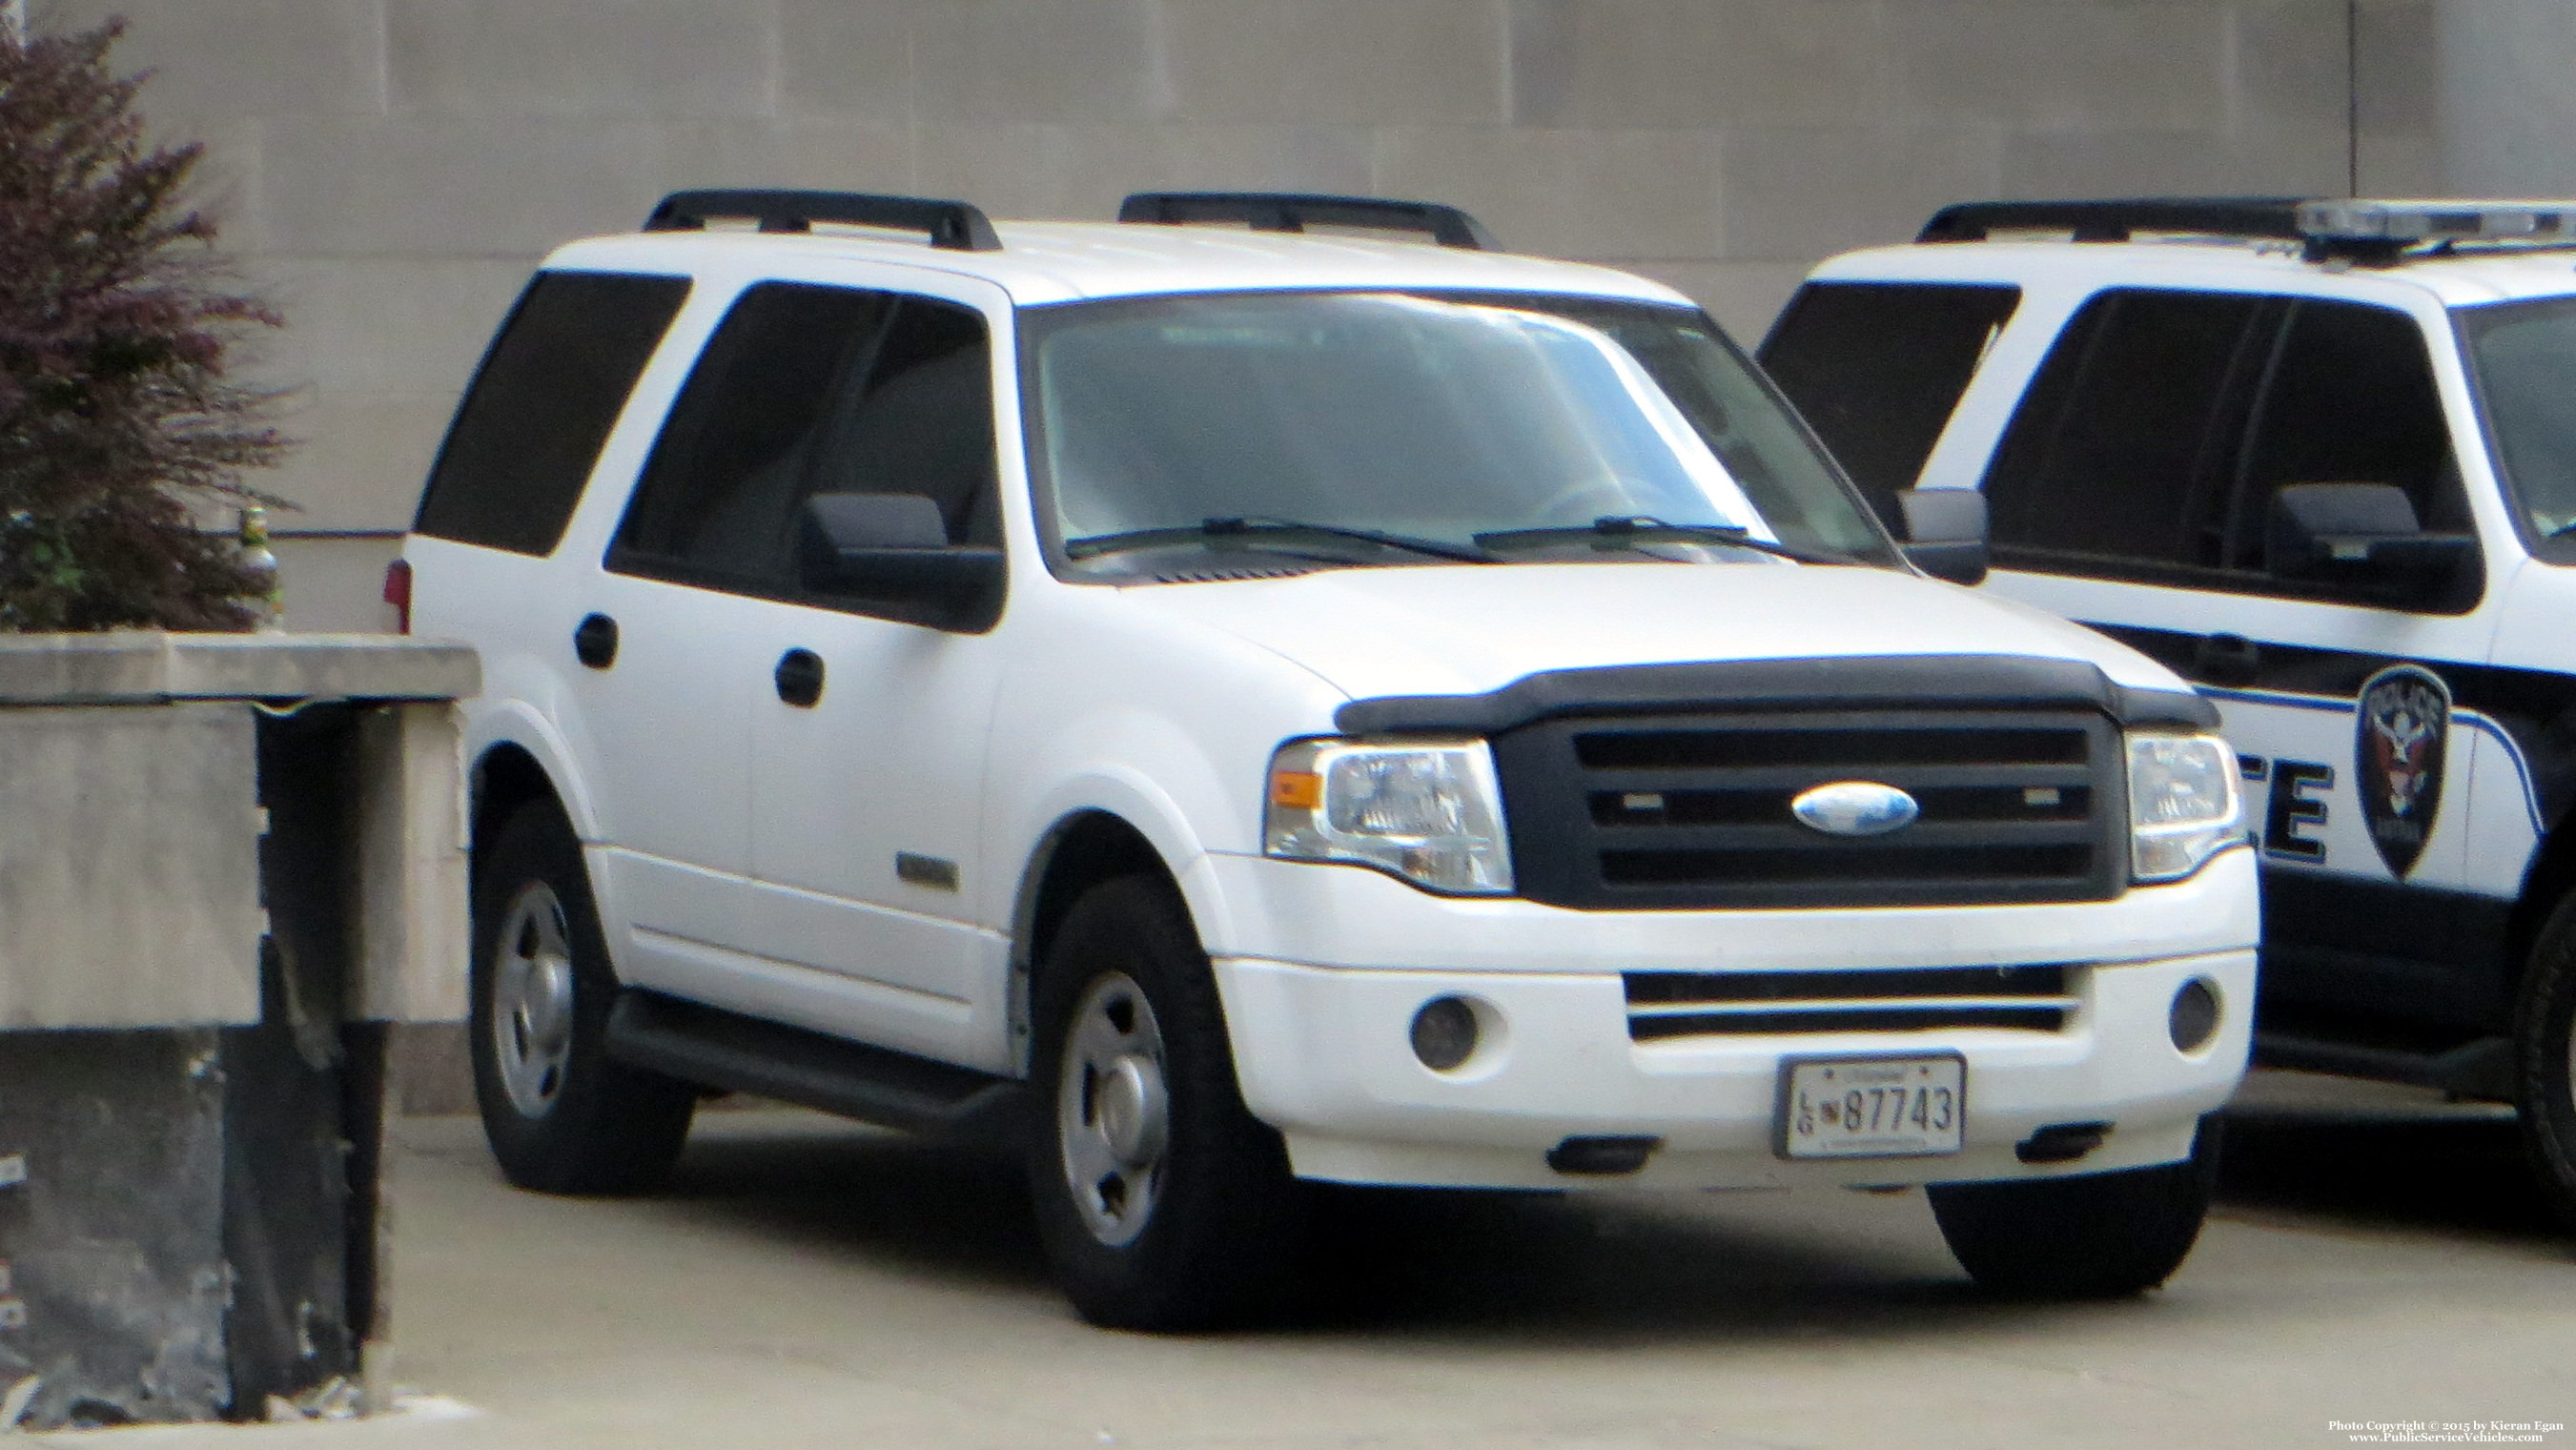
(117, 425)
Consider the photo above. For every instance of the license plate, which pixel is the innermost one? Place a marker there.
(1872, 1107)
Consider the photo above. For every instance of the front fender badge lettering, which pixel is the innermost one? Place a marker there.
(2401, 741)
(1855, 808)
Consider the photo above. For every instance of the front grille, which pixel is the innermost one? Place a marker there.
(1906, 999)
(1656, 812)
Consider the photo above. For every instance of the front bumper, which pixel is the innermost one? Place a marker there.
(1323, 1051)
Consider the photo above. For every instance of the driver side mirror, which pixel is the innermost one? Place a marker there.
(2361, 535)
(892, 549)
(1945, 532)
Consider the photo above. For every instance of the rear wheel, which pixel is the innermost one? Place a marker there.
(1164, 1205)
(2545, 1043)
(560, 1114)
(2092, 1236)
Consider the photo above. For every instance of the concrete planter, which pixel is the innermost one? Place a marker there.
(227, 863)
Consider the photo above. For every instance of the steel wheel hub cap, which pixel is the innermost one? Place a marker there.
(1113, 1113)
(532, 980)
(1133, 1111)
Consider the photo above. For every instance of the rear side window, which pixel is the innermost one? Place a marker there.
(531, 426)
(1877, 367)
(2120, 450)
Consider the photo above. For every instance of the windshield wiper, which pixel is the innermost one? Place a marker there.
(1634, 530)
(1236, 528)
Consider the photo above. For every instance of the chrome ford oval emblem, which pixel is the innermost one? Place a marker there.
(1855, 808)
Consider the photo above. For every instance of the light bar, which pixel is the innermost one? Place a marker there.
(2405, 223)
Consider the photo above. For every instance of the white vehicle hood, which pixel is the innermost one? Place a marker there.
(1469, 629)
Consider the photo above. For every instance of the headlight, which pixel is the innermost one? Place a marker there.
(1429, 812)
(2182, 804)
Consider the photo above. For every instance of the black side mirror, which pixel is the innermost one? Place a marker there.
(892, 549)
(1945, 532)
(2361, 535)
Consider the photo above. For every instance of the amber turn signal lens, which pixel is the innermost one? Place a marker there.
(1298, 789)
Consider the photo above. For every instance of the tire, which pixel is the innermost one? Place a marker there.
(2091, 1236)
(2545, 1060)
(560, 1114)
(1163, 1204)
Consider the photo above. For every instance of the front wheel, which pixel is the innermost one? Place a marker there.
(2545, 1060)
(562, 1116)
(2091, 1236)
(1164, 1205)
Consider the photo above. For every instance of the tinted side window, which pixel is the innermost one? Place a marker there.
(924, 422)
(1876, 368)
(715, 500)
(2351, 399)
(531, 426)
(2120, 453)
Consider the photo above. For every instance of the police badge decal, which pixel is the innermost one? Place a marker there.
(2399, 743)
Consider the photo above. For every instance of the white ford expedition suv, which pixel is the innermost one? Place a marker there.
(2320, 458)
(1229, 707)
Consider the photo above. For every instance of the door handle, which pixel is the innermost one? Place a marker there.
(594, 641)
(799, 678)
(2227, 659)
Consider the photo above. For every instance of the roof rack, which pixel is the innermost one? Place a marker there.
(2116, 221)
(1282, 211)
(2369, 233)
(951, 225)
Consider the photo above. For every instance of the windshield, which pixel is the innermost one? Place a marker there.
(2523, 356)
(1379, 428)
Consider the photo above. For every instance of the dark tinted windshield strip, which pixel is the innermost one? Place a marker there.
(1553, 303)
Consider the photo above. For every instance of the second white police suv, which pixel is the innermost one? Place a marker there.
(1226, 707)
(2320, 457)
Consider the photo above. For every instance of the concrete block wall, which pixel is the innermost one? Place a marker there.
(390, 169)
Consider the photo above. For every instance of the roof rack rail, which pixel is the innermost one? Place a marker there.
(2115, 221)
(954, 226)
(1283, 211)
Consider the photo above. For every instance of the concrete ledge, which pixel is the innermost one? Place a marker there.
(144, 667)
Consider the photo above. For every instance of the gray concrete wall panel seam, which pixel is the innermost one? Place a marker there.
(392, 167)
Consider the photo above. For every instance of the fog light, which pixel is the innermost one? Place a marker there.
(1444, 1033)
(2194, 1018)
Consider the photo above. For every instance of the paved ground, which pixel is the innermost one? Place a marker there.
(806, 1283)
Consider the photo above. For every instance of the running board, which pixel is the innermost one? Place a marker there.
(720, 1049)
(2481, 1068)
